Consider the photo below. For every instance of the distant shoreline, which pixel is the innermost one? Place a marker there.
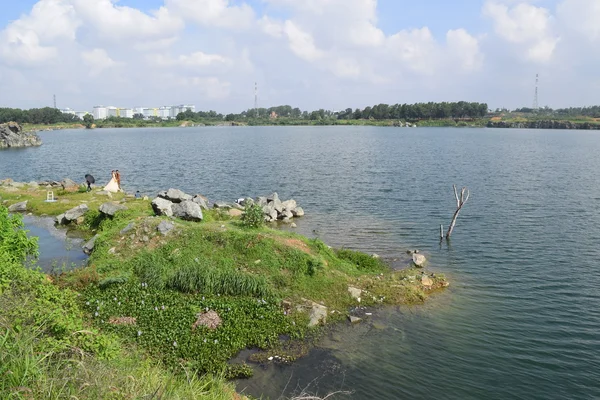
(520, 123)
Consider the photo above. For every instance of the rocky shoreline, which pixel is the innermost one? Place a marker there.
(12, 136)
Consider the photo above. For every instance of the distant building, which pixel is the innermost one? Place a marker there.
(125, 112)
(165, 112)
(81, 114)
(100, 112)
(176, 110)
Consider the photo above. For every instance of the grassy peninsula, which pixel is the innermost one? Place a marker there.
(160, 315)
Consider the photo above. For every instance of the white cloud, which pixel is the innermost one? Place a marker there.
(524, 24)
(194, 60)
(97, 60)
(416, 49)
(218, 13)
(581, 16)
(301, 43)
(126, 24)
(465, 49)
(29, 40)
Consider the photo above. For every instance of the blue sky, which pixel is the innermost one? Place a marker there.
(310, 53)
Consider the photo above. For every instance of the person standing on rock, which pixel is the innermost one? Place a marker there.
(118, 178)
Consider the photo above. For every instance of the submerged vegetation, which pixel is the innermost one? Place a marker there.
(185, 302)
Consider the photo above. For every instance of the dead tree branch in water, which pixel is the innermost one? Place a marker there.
(460, 202)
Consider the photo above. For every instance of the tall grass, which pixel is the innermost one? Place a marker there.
(203, 279)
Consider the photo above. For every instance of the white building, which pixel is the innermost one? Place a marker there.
(81, 114)
(125, 112)
(67, 111)
(164, 112)
(175, 110)
(112, 111)
(100, 112)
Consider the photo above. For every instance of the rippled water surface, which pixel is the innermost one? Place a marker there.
(522, 317)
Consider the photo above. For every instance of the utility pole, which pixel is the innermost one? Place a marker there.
(535, 98)
(256, 99)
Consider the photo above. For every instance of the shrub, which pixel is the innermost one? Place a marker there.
(362, 261)
(253, 216)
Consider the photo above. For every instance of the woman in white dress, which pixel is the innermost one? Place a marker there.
(113, 185)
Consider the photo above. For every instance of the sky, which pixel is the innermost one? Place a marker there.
(331, 54)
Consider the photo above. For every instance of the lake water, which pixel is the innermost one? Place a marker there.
(521, 319)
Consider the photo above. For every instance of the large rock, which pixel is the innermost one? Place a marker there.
(18, 207)
(110, 209)
(261, 201)
(419, 260)
(278, 205)
(69, 185)
(286, 215)
(74, 213)
(187, 210)
(272, 197)
(12, 135)
(289, 205)
(318, 314)
(201, 201)
(88, 248)
(298, 212)
(162, 207)
(175, 195)
(222, 204)
(270, 213)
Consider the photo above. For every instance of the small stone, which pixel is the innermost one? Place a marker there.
(293, 225)
(165, 227)
(88, 248)
(112, 250)
(354, 320)
(354, 292)
(127, 228)
(426, 281)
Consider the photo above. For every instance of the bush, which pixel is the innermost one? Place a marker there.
(253, 216)
(362, 261)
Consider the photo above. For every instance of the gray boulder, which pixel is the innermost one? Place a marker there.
(12, 135)
(127, 229)
(175, 195)
(278, 205)
(222, 204)
(33, 184)
(201, 201)
(298, 212)
(187, 210)
(60, 219)
(18, 207)
(272, 197)
(110, 209)
(289, 205)
(68, 184)
(270, 213)
(74, 213)
(285, 215)
(261, 201)
(165, 227)
(318, 314)
(419, 260)
(88, 248)
(162, 206)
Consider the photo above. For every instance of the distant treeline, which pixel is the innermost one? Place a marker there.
(593, 111)
(419, 111)
(47, 115)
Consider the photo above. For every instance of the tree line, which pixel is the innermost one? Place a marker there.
(418, 111)
(46, 115)
(592, 111)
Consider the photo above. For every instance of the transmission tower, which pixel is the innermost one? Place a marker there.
(535, 98)
(54, 101)
(256, 99)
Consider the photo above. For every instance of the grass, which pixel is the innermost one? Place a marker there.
(259, 281)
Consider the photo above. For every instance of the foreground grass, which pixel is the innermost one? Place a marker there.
(147, 291)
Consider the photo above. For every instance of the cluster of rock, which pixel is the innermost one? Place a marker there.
(66, 184)
(175, 203)
(274, 209)
(12, 135)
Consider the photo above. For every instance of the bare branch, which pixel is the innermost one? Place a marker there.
(456, 195)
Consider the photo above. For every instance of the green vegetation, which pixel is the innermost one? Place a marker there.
(48, 350)
(253, 216)
(186, 303)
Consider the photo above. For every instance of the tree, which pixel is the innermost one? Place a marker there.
(460, 202)
(88, 121)
(138, 116)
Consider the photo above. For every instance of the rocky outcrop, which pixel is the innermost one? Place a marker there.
(18, 207)
(73, 215)
(187, 210)
(162, 207)
(12, 135)
(274, 209)
(110, 209)
(175, 196)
